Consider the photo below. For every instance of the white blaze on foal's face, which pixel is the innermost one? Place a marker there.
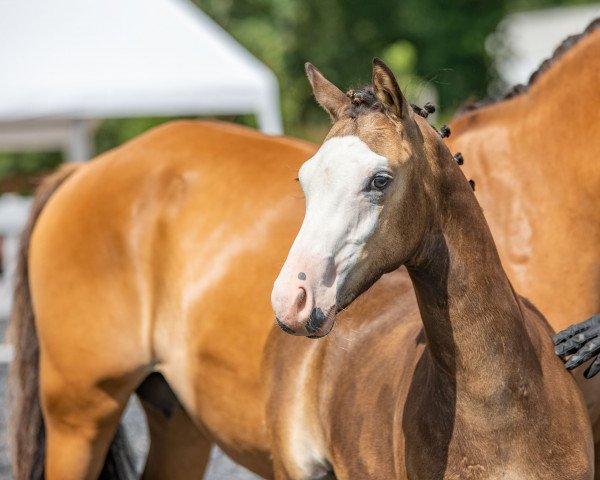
(342, 206)
(348, 238)
(344, 184)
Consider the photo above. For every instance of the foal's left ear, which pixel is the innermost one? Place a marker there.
(387, 90)
(330, 97)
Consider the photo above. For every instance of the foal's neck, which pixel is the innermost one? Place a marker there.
(472, 317)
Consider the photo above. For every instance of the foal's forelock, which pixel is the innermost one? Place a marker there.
(384, 136)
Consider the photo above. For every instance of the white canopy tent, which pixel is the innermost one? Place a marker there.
(65, 63)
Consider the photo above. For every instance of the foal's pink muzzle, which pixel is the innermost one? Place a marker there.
(304, 297)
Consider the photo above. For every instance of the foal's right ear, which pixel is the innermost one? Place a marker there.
(330, 97)
(387, 90)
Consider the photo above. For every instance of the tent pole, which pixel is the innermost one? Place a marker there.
(79, 141)
(268, 113)
(269, 119)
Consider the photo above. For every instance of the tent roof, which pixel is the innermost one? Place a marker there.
(85, 59)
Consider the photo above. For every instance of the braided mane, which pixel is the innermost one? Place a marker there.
(566, 45)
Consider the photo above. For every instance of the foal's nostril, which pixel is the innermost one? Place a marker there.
(284, 327)
(301, 299)
(315, 321)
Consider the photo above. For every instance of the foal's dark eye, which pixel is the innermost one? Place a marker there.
(379, 182)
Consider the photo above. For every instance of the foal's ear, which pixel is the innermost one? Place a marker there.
(387, 90)
(331, 98)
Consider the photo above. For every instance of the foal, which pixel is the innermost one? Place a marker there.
(474, 391)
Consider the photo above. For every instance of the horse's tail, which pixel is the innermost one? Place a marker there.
(26, 426)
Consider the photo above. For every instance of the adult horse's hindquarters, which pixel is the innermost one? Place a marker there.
(157, 256)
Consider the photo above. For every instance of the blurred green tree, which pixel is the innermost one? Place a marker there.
(341, 36)
(424, 41)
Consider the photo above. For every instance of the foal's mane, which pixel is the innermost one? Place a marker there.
(566, 45)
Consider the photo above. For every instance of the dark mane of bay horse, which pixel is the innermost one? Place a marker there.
(364, 98)
(566, 45)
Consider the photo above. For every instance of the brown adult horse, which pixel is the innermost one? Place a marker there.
(534, 159)
(469, 397)
(535, 163)
(159, 257)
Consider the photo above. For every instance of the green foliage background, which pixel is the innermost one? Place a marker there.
(424, 41)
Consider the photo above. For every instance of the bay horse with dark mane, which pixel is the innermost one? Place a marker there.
(537, 175)
(536, 170)
(149, 270)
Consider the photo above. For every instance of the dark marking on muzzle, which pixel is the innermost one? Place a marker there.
(315, 321)
(302, 276)
(284, 327)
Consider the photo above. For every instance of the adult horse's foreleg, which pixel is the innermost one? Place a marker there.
(178, 449)
(81, 415)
